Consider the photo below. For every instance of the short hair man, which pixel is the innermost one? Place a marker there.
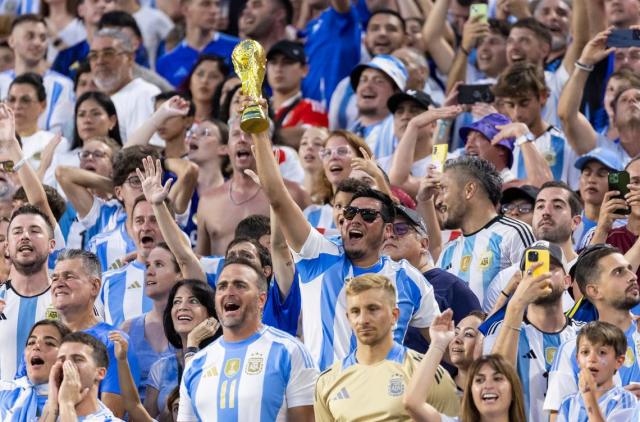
(266, 21)
(608, 281)
(75, 284)
(111, 59)
(81, 367)
(29, 243)
(240, 297)
(28, 40)
(372, 378)
(471, 189)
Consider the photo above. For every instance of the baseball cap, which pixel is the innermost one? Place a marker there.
(527, 192)
(555, 253)
(419, 97)
(412, 217)
(290, 49)
(604, 156)
(389, 65)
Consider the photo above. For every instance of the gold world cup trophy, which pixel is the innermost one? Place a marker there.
(249, 62)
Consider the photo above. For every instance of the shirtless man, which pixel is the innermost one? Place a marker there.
(220, 210)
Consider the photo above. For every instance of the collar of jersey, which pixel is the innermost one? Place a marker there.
(243, 343)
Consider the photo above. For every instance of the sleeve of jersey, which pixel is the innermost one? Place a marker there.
(302, 381)
(186, 412)
(311, 113)
(564, 410)
(283, 314)
(625, 411)
(490, 340)
(497, 285)
(522, 237)
(93, 215)
(562, 378)
(428, 307)
(320, 404)
(111, 383)
(315, 256)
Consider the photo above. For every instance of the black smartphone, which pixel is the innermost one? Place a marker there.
(618, 180)
(624, 38)
(471, 94)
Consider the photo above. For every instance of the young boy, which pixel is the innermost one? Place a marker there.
(601, 349)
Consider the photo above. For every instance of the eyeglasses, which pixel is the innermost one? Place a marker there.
(343, 151)
(25, 100)
(134, 182)
(522, 209)
(85, 155)
(198, 133)
(6, 166)
(401, 229)
(368, 215)
(107, 54)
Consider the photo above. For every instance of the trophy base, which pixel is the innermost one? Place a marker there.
(253, 120)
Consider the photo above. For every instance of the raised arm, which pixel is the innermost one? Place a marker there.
(422, 380)
(427, 209)
(175, 106)
(187, 174)
(607, 216)
(28, 177)
(157, 194)
(580, 134)
(579, 34)
(297, 228)
(341, 6)
(369, 166)
(473, 30)
(77, 184)
(433, 32)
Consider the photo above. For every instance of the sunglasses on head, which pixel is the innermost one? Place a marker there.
(368, 215)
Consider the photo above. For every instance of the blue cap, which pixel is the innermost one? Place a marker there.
(389, 65)
(487, 127)
(607, 157)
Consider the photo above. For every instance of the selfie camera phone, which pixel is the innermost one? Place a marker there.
(624, 38)
(479, 9)
(535, 256)
(618, 180)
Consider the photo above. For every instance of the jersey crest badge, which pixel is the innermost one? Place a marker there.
(396, 385)
(629, 359)
(254, 364)
(465, 263)
(232, 367)
(485, 260)
(549, 354)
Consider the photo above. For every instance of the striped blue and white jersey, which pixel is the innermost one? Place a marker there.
(103, 216)
(479, 257)
(616, 405)
(256, 379)
(616, 147)
(122, 295)
(324, 270)
(103, 414)
(557, 152)
(21, 401)
(379, 136)
(536, 350)
(19, 7)
(212, 266)
(321, 218)
(60, 97)
(112, 247)
(17, 316)
(343, 111)
(163, 376)
(563, 377)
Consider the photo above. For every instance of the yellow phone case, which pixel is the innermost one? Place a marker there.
(543, 256)
(439, 155)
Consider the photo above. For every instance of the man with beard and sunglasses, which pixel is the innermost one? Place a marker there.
(325, 266)
(534, 326)
(609, 282)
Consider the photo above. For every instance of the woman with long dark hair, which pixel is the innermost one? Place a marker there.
(203, 82)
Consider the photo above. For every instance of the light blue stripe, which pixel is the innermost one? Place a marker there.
(344, 106)
(26, 318)
(230, 414)
(558, 147)
(332, 284)
(192, 382)
(467, 251)
(308, 361)
(276, 379)
(117, 285)
(447, 256)
(523, 367)
(489, 273)
(53, 100)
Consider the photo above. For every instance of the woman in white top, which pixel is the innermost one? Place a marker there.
(65, 29)
(493, 391)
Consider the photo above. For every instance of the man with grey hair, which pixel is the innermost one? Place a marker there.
(75, 284)
(111, 58)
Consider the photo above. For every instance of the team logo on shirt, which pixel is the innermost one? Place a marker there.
(629, 359)
(465, 263)
(396, 385)
(486, 259)
(549, 354)
(550, 157)
(134, 285)
(210, 371)
(254, 364)
(232, 367)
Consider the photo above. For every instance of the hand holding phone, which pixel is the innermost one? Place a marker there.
(439, 156)
(624, 38)
(619, 181)
(479, 9)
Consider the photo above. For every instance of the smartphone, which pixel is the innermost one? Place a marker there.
(471, 94)
(479, 9)
(439, 156)
(618, 180)
(534, 256)
(624, 38)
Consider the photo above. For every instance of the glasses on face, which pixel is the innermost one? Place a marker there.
(134, 182)
(343, 151)
(368, 215)
(107, 54)
(24, 100)
(522, 209)
(6, 166)
(401, 229)
(85, 155)
(196, 133)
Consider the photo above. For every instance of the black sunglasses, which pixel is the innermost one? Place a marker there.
(368, 215)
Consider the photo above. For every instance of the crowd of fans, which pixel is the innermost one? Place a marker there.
(440, 224)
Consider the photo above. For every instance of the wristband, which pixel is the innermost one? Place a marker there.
(466, 53)
(518, 329)
(19, 164)
(586, 67)
(192, 350)
(505, 295)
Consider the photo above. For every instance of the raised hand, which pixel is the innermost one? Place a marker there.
(55, 379)
(532, 287)
(596, 49)
(71, 391)
(152, 181)
(366, 164)
(7, 124)
(121, 346)
(202, 331)
(175, 106)
(510, 130)
(611, 204)
(429, 184)
(442, 330)
(474, 29)
(433, 114)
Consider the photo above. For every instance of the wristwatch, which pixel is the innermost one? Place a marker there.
(527, 137)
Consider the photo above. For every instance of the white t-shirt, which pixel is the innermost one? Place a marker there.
(155, 25)
(134, 105)
(70, 35)
(63, 156)
(32, 147)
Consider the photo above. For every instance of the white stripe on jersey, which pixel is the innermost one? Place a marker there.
(536, 351)
(256, 379)
(478, 258)
(616, 405)
(112, 247)
(122, 296)
(323, 269)
(16, 319)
